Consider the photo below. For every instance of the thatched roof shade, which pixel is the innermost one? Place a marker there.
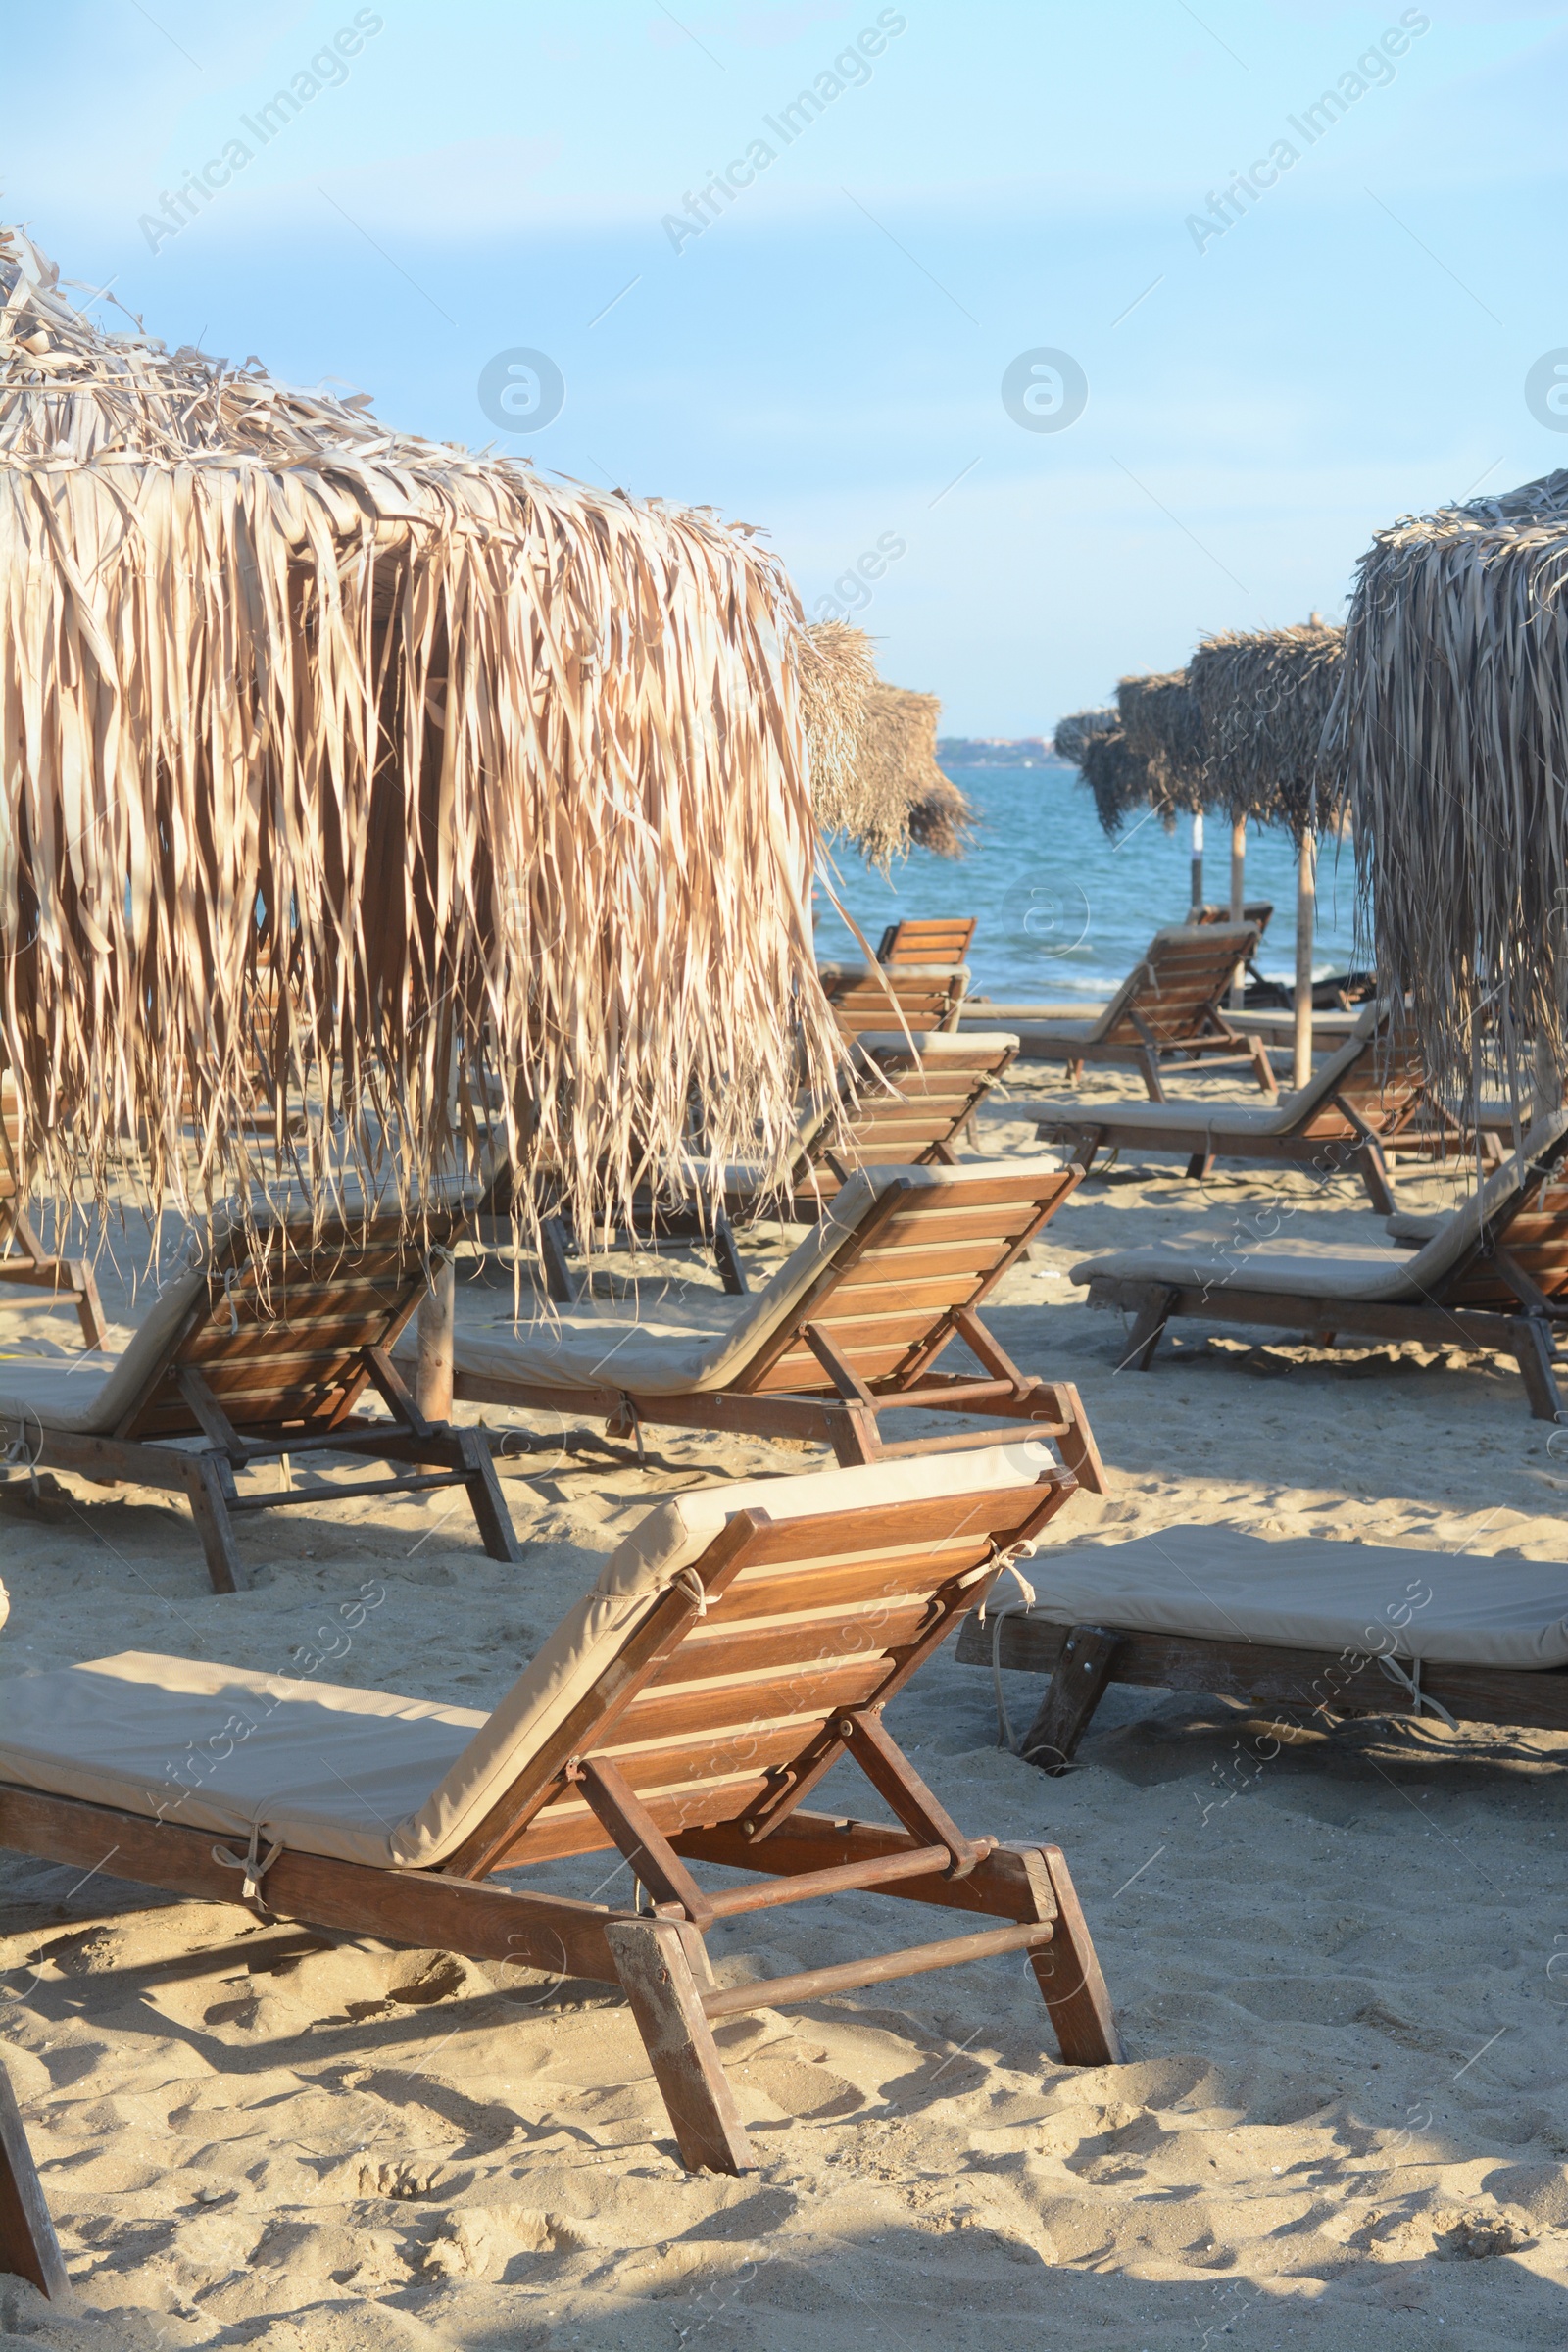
(1452, 721)
(872, 747)
(1164, 728)
(465, 770)
(1120, 779)
(1263, 696)
(1074, 733)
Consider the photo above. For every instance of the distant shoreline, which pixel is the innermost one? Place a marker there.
(996, 750)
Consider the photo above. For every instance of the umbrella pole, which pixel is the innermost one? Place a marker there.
(1238, 901)
(1305, 911)
(1198, 862)
(437, 1316)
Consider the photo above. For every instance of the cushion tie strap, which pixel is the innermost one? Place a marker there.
(1024, 1598)
(252, 1862)
(228, 1302)
(690, 1582)
(21, 1449)
(1411, 1683)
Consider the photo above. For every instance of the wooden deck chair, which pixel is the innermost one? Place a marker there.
(939, 938)
(1495, 1274)
(24, 1260)
(1170, 1008)
(28, 2246)
(1305, 1626)
(898, 1106)
(259, 1354)
(1365, 1103)
(741, 1641)
(1259, 912)
(873, 996)
(849, 1327)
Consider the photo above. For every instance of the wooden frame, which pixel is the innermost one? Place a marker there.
(1509, 1293)
(897, 1290)
(1373, 1111)
(1170, 1010)
(715, 1716)
(276, 1349)
(928, 939)
(28, 2246)
(24, 1260)
(1082, 1660)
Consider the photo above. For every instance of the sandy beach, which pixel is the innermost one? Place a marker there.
(1337, 1958)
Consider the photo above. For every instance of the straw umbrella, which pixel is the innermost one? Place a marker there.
(1265, 697)
(1164, 727)
(872, 751)
(407, 769)
(1452, 725)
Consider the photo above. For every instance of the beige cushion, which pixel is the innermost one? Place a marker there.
(668, 1354)
(393, 1782)
(1217, 1584)
(1307, 1267)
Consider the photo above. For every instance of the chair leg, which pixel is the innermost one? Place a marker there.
(655, 1972)
(1068, 1973)
(558, 1282)
(1150, 1070)
(1147, 1330)
(1072, 1695)
(727, 1257)
(208, 1487)
(1374, 1173)
(1076, 1444)
(1533, 1355)
(1201, 1163)
(1264, 1068)
(494, 1520)
(28, 2246)
(89, 1307)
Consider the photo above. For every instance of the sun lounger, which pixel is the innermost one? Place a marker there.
(873, 996)
(24, 1260)
(939, 938)
(1305, 1625)
(741, 1641)
(849, 1327)
(1260, 913)
(260, 1354)
(1494, 1275)
(899, 1105)
(1169, 1007)
(1366, 1101)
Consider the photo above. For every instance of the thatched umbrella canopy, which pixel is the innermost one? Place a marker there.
(1452, 725)
(873, 750)
(403, 767)
(1074, 733)
(1262, 697)
(1164, 728)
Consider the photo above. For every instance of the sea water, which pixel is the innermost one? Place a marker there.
(1063, 912)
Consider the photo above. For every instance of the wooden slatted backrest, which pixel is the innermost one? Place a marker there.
(278, 1336)
(1258, 913)
(935, 1094)
(871, 997)
(888, 1294)
(808, 1617)
(1534, 1236)
(938, 939)
(1181, 981)
(1382, 1081)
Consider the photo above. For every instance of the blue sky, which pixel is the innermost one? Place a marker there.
(825, 358)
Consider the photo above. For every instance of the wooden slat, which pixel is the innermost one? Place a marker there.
(887, 1532)
(798, 1696)
(821, 1634)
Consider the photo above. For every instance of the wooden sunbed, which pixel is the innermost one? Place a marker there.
(1169, 1008)
(938, 939)
(874, 996)
(24, 1260)
(260, 1354)
(1365, 1103)
(1208, 1608)
(1495, 1274)
(738, 1643)
(1260, 913)
(849, 1327)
